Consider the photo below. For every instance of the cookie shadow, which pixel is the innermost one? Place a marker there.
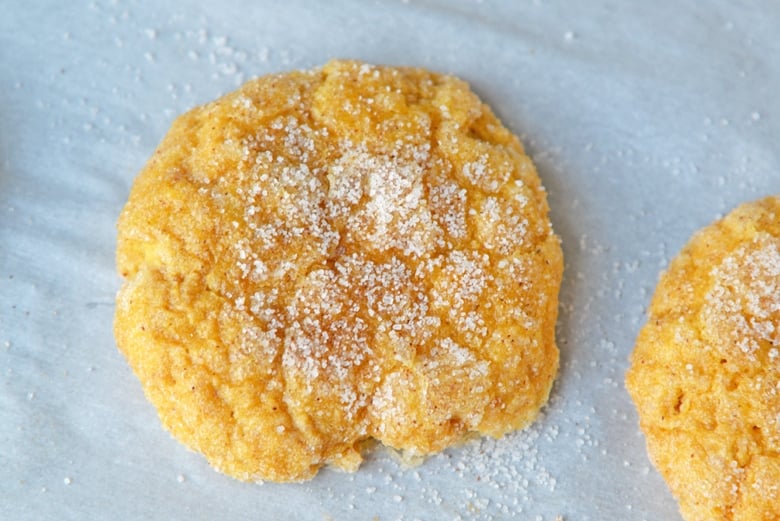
(570, 227)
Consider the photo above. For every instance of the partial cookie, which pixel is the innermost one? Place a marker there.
(327, 257)
(705, 374)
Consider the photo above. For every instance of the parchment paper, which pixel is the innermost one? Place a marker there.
(647, 120)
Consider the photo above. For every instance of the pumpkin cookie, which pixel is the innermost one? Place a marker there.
(327, 257)
(705, 374)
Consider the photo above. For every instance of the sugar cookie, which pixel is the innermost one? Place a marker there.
(705, 374)
(327, 257)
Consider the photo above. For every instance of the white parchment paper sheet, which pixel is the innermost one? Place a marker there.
(647, 120)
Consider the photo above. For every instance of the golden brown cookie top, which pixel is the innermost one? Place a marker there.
(325, 257)
(705, 373)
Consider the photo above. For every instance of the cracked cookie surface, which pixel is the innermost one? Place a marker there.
(327, 257)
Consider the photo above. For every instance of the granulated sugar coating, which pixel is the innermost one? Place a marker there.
(328, 257)
(705, 374)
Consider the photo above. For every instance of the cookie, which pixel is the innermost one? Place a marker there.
(705, 373)
(329, 257)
